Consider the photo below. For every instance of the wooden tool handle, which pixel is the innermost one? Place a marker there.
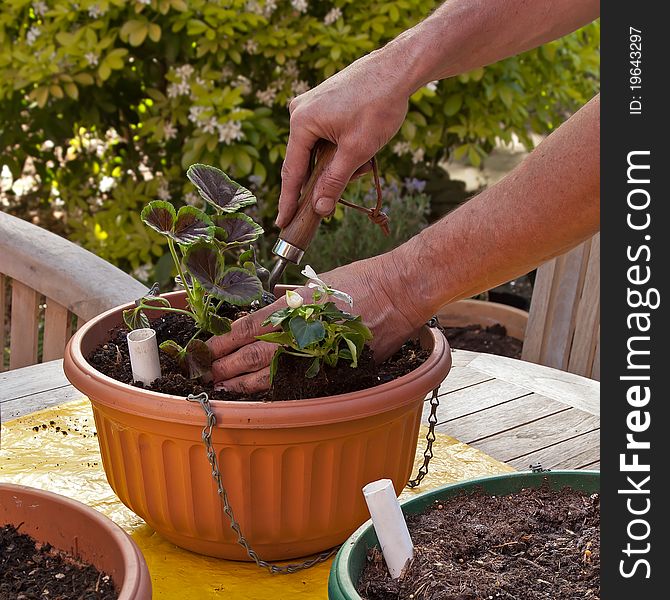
(300, 231)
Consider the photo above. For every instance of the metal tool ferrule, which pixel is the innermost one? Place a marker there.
(288, 251)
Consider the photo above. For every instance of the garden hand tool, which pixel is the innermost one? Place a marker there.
(298, 234)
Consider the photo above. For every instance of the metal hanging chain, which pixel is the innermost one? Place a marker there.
(203, 400)
(430, 438)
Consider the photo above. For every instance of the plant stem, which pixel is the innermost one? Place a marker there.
(177, 263)
(167, 309)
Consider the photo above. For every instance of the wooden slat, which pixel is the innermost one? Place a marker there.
(595, 466)
(584, 342)
(12, 409)
(56, 330)
(566, 292)
(35, 379)
(595, 370)
(24, 326)
(539, 312)
(568, 388)
(3, 310)
(474, 399)
(462, 358)
(523, 440)
(575, 453)
(500, 418)
(461, 377)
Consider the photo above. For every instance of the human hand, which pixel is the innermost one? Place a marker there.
(242, 362)
(359, 109)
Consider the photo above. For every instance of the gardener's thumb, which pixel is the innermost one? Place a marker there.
(332, 182)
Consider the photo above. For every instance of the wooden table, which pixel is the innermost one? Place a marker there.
(515, 411)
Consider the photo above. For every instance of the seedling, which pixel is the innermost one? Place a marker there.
(319, 331)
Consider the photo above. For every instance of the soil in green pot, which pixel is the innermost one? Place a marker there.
(113, 360)
(533, 544)
(29, 571)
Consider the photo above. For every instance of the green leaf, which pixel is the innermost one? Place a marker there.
(353, 348)
(173, 349)
(134, 318)
(218, 189)
(238, 287)
(274, 363)
(218, 325)
(236, 229)
(191, 225)
(306, 332)
(198, 359)
(453, 104)
(314, 368)
(160, 216)
(278, 317)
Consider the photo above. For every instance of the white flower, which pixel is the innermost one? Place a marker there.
(195, 113)
(401, 148)
(230, 131)
(145, 2)
(253, 7)
(33, 33)
(432, 86)
(293, 299)
(95, 11)
(169, 131)
(142, 273)
(266, 97)
(184, 72)
(92, 58)
(291, 69)
(300, 5)
(181, 88)
(323, 286)
(332, 16)
(417, 155)
(251, 46)
(299, 87)
(270, 7)
(106, 184)
(211, 125)
(192, 199)
(163, 191)
(40, 8)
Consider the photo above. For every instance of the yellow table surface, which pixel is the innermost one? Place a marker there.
(70, 464)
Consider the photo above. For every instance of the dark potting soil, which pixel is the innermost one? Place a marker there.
(31, 572)
(113, 360)
(535, 544)
(493, 340)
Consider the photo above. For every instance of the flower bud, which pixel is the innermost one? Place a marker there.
(293, 299)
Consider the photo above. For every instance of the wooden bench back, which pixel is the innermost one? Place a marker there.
(45, 281)
(564, 319)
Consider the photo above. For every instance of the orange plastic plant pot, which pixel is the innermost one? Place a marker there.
(293, 470)
(80, 531)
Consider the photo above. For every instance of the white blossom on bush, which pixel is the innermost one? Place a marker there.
(192, 199)
(230, 132)
(180, 88)
(267, 97)
(269, 8)
(195, 113)
(300, 5)
(299, 87)
(251, 46)
(401, 148)
(106, 184)
(91, 58)
(211, 125)
(95, 12)
(145, 2)
(142, 272)
(40, 8)
(418, 155)
(33, 33)
(184, 72)
(163, 191)
(169, 131)
(333, 15)
(432, 86)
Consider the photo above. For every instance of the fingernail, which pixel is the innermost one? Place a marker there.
(323, 206)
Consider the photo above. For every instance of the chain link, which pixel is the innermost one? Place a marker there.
(273, 568)
(430, 438)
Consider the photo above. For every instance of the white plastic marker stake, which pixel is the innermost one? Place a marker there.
(389, 524)
(143, 348)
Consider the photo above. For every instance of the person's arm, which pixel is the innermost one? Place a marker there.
(363, 106)
(546, 205)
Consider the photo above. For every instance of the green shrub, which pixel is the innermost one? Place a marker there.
(105, 102)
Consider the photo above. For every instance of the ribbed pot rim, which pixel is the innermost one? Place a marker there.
(136, 582)
(107, 392)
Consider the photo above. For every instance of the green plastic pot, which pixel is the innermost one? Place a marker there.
(350, 560)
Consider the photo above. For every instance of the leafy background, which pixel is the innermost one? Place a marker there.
(105, 103)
